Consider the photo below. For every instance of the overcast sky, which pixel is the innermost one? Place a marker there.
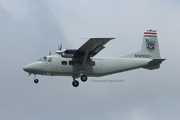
(29, 29)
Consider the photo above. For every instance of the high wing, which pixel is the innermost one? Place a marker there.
(93, 46)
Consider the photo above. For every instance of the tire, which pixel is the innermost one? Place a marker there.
(75, 83)
(36, 81)
(84, 78)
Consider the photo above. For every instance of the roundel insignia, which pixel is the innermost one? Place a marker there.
(150, 44)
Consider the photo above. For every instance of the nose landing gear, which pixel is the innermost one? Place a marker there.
(35, 79)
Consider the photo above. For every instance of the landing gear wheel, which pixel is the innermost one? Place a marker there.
(75, 83)
(36, 81)
(84, 78)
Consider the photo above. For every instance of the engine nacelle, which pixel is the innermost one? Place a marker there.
(67, 55)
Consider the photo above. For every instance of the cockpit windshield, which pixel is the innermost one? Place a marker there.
(43, 59)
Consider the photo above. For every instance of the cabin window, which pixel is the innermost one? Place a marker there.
(50, 60)
(91, 63)
(64, 62)
(71, 62)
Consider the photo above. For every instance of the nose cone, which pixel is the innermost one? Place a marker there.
(35, 68)
(30, 68)
(27, 68)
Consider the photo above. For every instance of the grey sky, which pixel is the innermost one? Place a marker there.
(30, 28)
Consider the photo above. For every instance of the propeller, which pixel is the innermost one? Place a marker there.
(60, 47)
(49, 53)
(60, 51)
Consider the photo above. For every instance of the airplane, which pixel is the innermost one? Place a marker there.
(81, 63)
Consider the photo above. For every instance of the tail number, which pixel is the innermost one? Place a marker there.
(142, 55)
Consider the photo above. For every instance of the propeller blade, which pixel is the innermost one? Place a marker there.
(60, 46)
(59, 49)
(49, 52)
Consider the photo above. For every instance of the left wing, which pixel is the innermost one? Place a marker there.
(93, 46)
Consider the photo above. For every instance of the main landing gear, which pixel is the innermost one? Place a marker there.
(84, 78)
(75, 83)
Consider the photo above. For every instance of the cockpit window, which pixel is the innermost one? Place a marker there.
(43, 59)
(50, 60)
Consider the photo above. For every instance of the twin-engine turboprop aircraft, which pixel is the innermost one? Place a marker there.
(82, 63)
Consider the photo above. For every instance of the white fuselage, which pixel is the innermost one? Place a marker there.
(95, 67)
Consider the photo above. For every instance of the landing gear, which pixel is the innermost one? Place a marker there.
(36, 81)
(75, 83)
(84, 78)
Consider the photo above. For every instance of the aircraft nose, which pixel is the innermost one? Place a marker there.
(28, 68)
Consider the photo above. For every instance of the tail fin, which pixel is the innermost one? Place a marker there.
(150, 46)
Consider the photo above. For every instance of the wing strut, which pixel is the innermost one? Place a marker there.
(85, 59)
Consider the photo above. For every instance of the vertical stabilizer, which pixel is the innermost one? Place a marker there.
(149, 48)
(150, 44)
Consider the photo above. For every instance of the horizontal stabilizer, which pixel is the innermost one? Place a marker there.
(154, 64)
(156, 61)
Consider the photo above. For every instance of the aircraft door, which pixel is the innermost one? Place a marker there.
(49, 65)
(64, 66)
